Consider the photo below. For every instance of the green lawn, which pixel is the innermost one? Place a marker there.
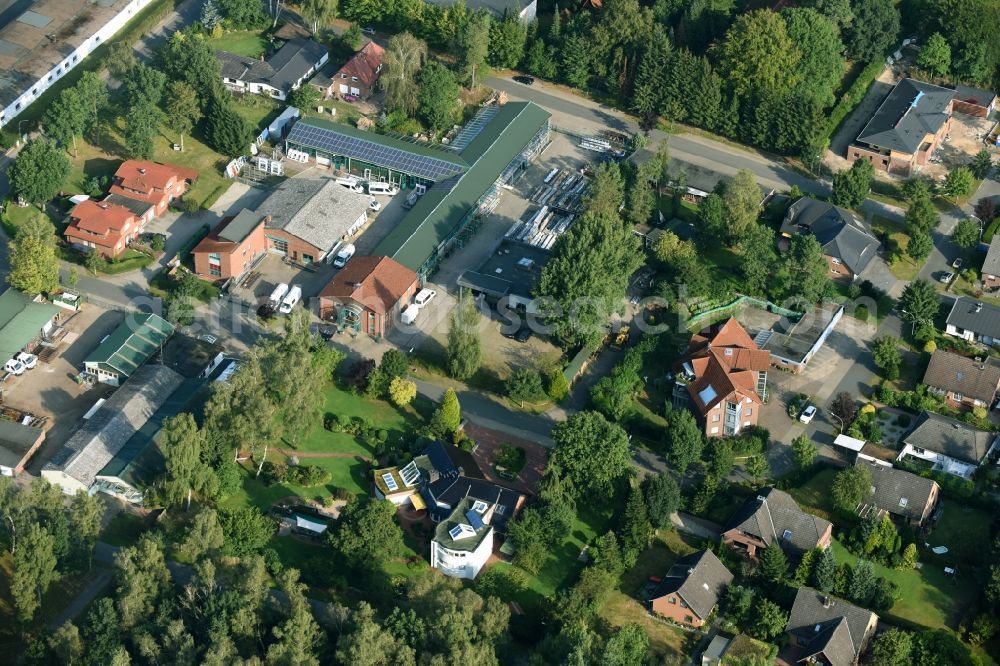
(928, 597)
(563, 564)
(247, 43)
(904, 268)
(623, 607)
(814, 495)
(258, 110)
(964, 530)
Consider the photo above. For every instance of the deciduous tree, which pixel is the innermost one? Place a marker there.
(34, 569)
(404, 57)
(473, 46)
(246, 531)
(757, 54)
(33, 265)
(851, 187)
(874, 31)
(818, 40)
(663, 497)
(319, 13)
(685, 439)
(38, 172)
(802, 272)
(958, 182)
(966, 233)
(141, 127)
(525, 384)
(366, 535)
(629, 646)
(885, 349)
(591, 452)
(804, 450)
(66, 118)
(741, 204)
(850, 487)
(935, 55)
(757, 467)
(437, 97)
(919, 302)
(893, 648)
(981, 164)
(769, 620)
(182, 443)
(757, 258)
(402, 391)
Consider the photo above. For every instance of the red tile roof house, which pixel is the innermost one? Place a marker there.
(357, 77)
(104, 227)
(158, 184)
(723, 379)
(367, 294)
(232, 248)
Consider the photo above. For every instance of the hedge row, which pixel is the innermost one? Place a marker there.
(852, 97)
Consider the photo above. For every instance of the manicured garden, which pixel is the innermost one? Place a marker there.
(928, 596)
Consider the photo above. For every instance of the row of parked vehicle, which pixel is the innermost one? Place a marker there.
(20, 363)
(355, 184)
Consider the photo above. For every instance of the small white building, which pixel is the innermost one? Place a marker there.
(974, 321)
(278, 75)
(464, 542)
(952, 446)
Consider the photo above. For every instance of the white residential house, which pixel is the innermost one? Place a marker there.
(464, 542)
(952, 446)
(275, 76)
(974, 321)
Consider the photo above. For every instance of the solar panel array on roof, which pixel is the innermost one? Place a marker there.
(335, 143)
(474, 520)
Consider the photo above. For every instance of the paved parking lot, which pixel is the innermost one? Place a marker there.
(50, 389)
(272, 271)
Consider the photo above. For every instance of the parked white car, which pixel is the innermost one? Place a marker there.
(807, 414)
(29, 360)
(14, 367)
(375, 205)
(423, 297)
(343, 256)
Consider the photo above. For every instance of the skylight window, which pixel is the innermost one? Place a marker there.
(787, 535)
(461, 531)
(390, 482)
(479, 506)
(707, 394)
(410, 473)
(903, 501)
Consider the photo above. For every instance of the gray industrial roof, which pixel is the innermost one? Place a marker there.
(829, 625)
(950, 437)
(841, 234)
(281, 70)
(976, 316)
(912, 110)
(98, 440)
(16, 440)
(317, 210)
(240, 226)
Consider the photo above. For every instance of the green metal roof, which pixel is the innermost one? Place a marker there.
(132, 343)
(439, 212)
(139, 461)
(21, 321)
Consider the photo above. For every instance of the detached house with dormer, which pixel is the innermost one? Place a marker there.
(847, 242)
(823, 629)
(723, 379)
(691, 589)
(153, 183)
(772, 516)
(101, 227)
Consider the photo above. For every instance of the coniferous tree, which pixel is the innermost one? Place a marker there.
(773, 563)
(825, 571)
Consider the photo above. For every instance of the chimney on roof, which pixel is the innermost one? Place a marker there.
(357, 285)
(816, 629)
(142, 170)
(827, 602)
(979, 306)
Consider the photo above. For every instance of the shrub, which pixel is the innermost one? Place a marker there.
(230, 480)
(275, 472)
(158, 242)
(308, 475)
(272, 561)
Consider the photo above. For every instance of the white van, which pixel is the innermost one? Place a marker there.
(382, 188)
(14, 366)
(291, 299)
(409, 314)
(278, 294)
(351, 183)
(344, 256)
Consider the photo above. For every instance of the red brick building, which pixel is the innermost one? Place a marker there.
(232, 247)
(367, 293)
(723, 379)
(158, 184)
(691, 589)
(101, 226)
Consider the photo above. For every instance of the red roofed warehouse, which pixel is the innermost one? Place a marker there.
(232, 247)
(158, 184)
(358, 76)
(723, 378)
(367, 293)
(105, 227)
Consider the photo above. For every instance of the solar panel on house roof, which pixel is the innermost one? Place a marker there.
(390, 482)
(455, 532)
(336, 143)
(474, 520)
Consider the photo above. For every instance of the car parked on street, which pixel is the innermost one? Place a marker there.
(526, 80)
